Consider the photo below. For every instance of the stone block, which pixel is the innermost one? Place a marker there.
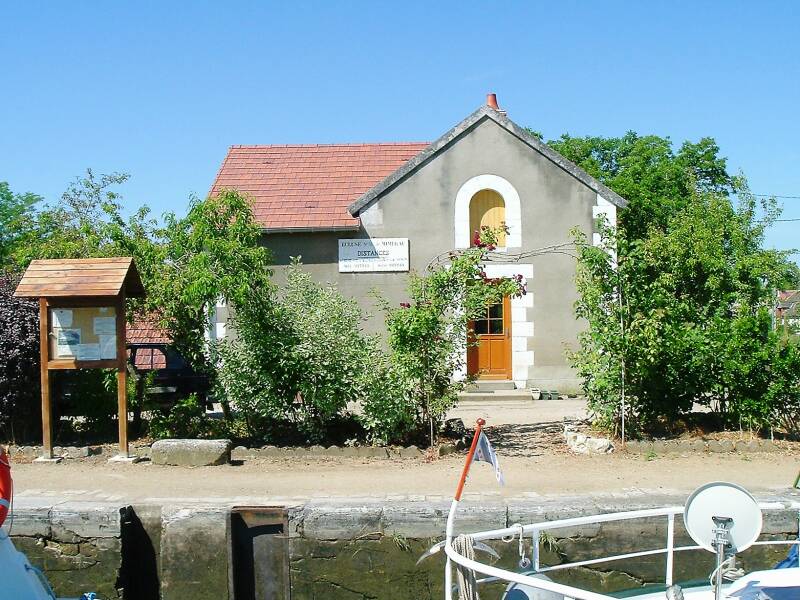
(333, 451)
(372, 452)
(191, 453)
(747, 446)
(295, 452)
(446, 449)
(271, 452)
(659, 446)
(693, 445)
(638, 447)
(410, 452)
(73, 452)
(317, 451)
(583, 444)
(194, 563)
(77, 521)
(720, 446)
(766, 446)
(243, 453)
(341, 520)
(25, 451)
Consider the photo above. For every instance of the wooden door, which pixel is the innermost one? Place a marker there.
(489, 356)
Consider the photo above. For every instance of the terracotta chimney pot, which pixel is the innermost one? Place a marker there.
(491, 101)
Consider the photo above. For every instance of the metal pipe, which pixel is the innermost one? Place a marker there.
(670, 548)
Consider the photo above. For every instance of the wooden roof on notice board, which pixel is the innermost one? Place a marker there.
(106, 277)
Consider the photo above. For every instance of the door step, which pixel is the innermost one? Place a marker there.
(493, 397)
(489, 385)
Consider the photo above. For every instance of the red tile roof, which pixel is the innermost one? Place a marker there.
(144, 330)
(309, 186)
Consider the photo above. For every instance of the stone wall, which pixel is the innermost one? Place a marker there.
(343, 549)
(77, 544)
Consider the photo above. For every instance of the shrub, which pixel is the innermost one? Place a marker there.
(683, 316)
(186, 419)
(428, 335)
(20, 392)
(300, 359)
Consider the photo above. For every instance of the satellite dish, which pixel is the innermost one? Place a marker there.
(722, 500)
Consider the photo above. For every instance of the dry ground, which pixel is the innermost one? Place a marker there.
(529, 442)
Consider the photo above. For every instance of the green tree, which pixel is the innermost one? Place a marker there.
(212, 254)
(17, 215)
(297, 360)
(684, 312)
(656, 180)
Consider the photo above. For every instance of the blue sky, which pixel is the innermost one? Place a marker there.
(161, 89)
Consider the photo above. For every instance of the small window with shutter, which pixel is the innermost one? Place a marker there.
(488, 209)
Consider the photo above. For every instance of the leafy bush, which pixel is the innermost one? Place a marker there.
(683, 316)
(297, 360)
(187, 419)
(20, 392)
(428, 336)
(783, 392)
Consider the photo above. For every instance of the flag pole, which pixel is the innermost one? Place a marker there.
(479, 426)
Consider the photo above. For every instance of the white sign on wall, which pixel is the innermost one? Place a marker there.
(373, 255)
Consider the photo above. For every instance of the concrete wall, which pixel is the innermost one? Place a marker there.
(423, 209)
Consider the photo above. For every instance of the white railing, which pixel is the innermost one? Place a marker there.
(535, 531)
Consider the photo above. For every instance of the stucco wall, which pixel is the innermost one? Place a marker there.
(422, 208)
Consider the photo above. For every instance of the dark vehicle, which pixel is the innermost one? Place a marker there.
(168, 375)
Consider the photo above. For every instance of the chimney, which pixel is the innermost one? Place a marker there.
(491, 102)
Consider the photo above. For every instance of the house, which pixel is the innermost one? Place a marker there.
(365, 215)
(787, 311)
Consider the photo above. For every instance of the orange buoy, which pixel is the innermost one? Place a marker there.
(5, 486)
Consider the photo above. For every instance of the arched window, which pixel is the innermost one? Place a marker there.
(462, 213)
(487, 209)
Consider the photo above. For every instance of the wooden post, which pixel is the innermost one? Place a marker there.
(44, 356)
(122, 378)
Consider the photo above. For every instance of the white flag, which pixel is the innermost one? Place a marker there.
(484, 452)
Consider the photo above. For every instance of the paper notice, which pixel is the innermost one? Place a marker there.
(62, 317)
(88, 352)
(65, 351)
(108, 346)
(68, 337)
(105, 326)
